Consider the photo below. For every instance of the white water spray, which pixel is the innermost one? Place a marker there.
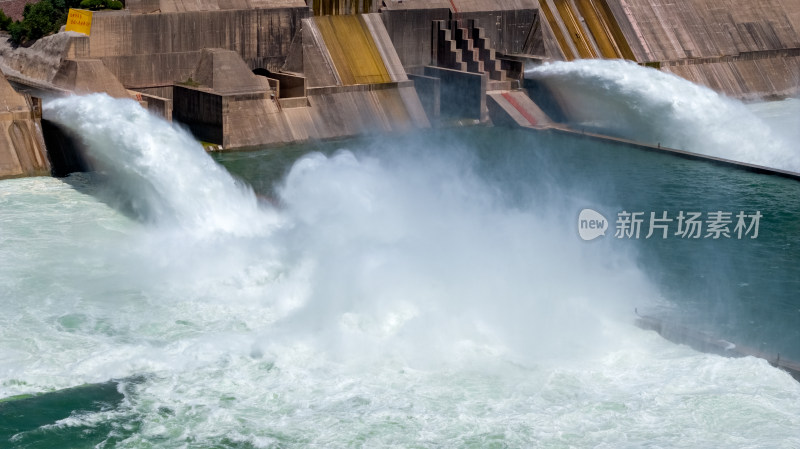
(160, 172)
(400, 301)
(424, 261)
(379, 252)
(645, 104)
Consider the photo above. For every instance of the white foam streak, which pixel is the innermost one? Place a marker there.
(657, 107)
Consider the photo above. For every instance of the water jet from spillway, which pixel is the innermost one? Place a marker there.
(644, 104)
(158, 171)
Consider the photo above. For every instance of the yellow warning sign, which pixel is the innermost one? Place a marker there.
(79, 20)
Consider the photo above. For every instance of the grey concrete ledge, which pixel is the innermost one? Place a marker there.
(314, 91)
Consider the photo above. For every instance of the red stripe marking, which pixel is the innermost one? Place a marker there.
(519, 108)
(454, 6)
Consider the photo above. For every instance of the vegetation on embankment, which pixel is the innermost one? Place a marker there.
(47, 16)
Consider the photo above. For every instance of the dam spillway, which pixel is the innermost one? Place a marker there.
(749, 54)
(357, 60)
(380, 272)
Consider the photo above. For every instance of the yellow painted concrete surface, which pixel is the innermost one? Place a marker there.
(353, 50)
(576, 32)
(569, 55)
(599, 29)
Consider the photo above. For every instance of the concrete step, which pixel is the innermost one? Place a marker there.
(463, 46)
(448, 55)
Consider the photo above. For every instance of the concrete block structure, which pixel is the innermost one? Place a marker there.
(250, 73)
(146, 51)
(21, 146)
(351, 82)
(83, 76)
(462, 94)
(507, 24)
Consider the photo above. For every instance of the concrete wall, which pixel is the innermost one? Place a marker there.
(769, 77)
(410, 32)
(429, 91)
(459, 6)
(167, 6)
(251, 120)
(200, 110)
(162, 91)
(286, 85)
(21, 145)
(741, 48)
(507, 31)
(236, 108)
(151, 50)
(291, 86)
(353, 110)
(157, 105)
(463, 94)
(665, 30)
(317, 66)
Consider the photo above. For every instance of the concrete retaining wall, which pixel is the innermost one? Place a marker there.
(463, 94)
(429, 91)
(741, 48)
(252, 120)
(21, 145)
(410, 30)
(200, 110)
(149, 50)
(750, 79)
(665, 30)
(157, 105)
(507, 31)
(290, 86)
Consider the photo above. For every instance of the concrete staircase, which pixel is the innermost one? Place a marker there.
(445, 52)
(460, 45)
(487, 54)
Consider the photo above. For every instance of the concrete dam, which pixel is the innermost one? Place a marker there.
(252, 74)
(457, 223)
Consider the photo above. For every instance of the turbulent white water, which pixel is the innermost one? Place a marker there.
(783, 117)
(394, 300)
(652, 106)
(132, 147)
